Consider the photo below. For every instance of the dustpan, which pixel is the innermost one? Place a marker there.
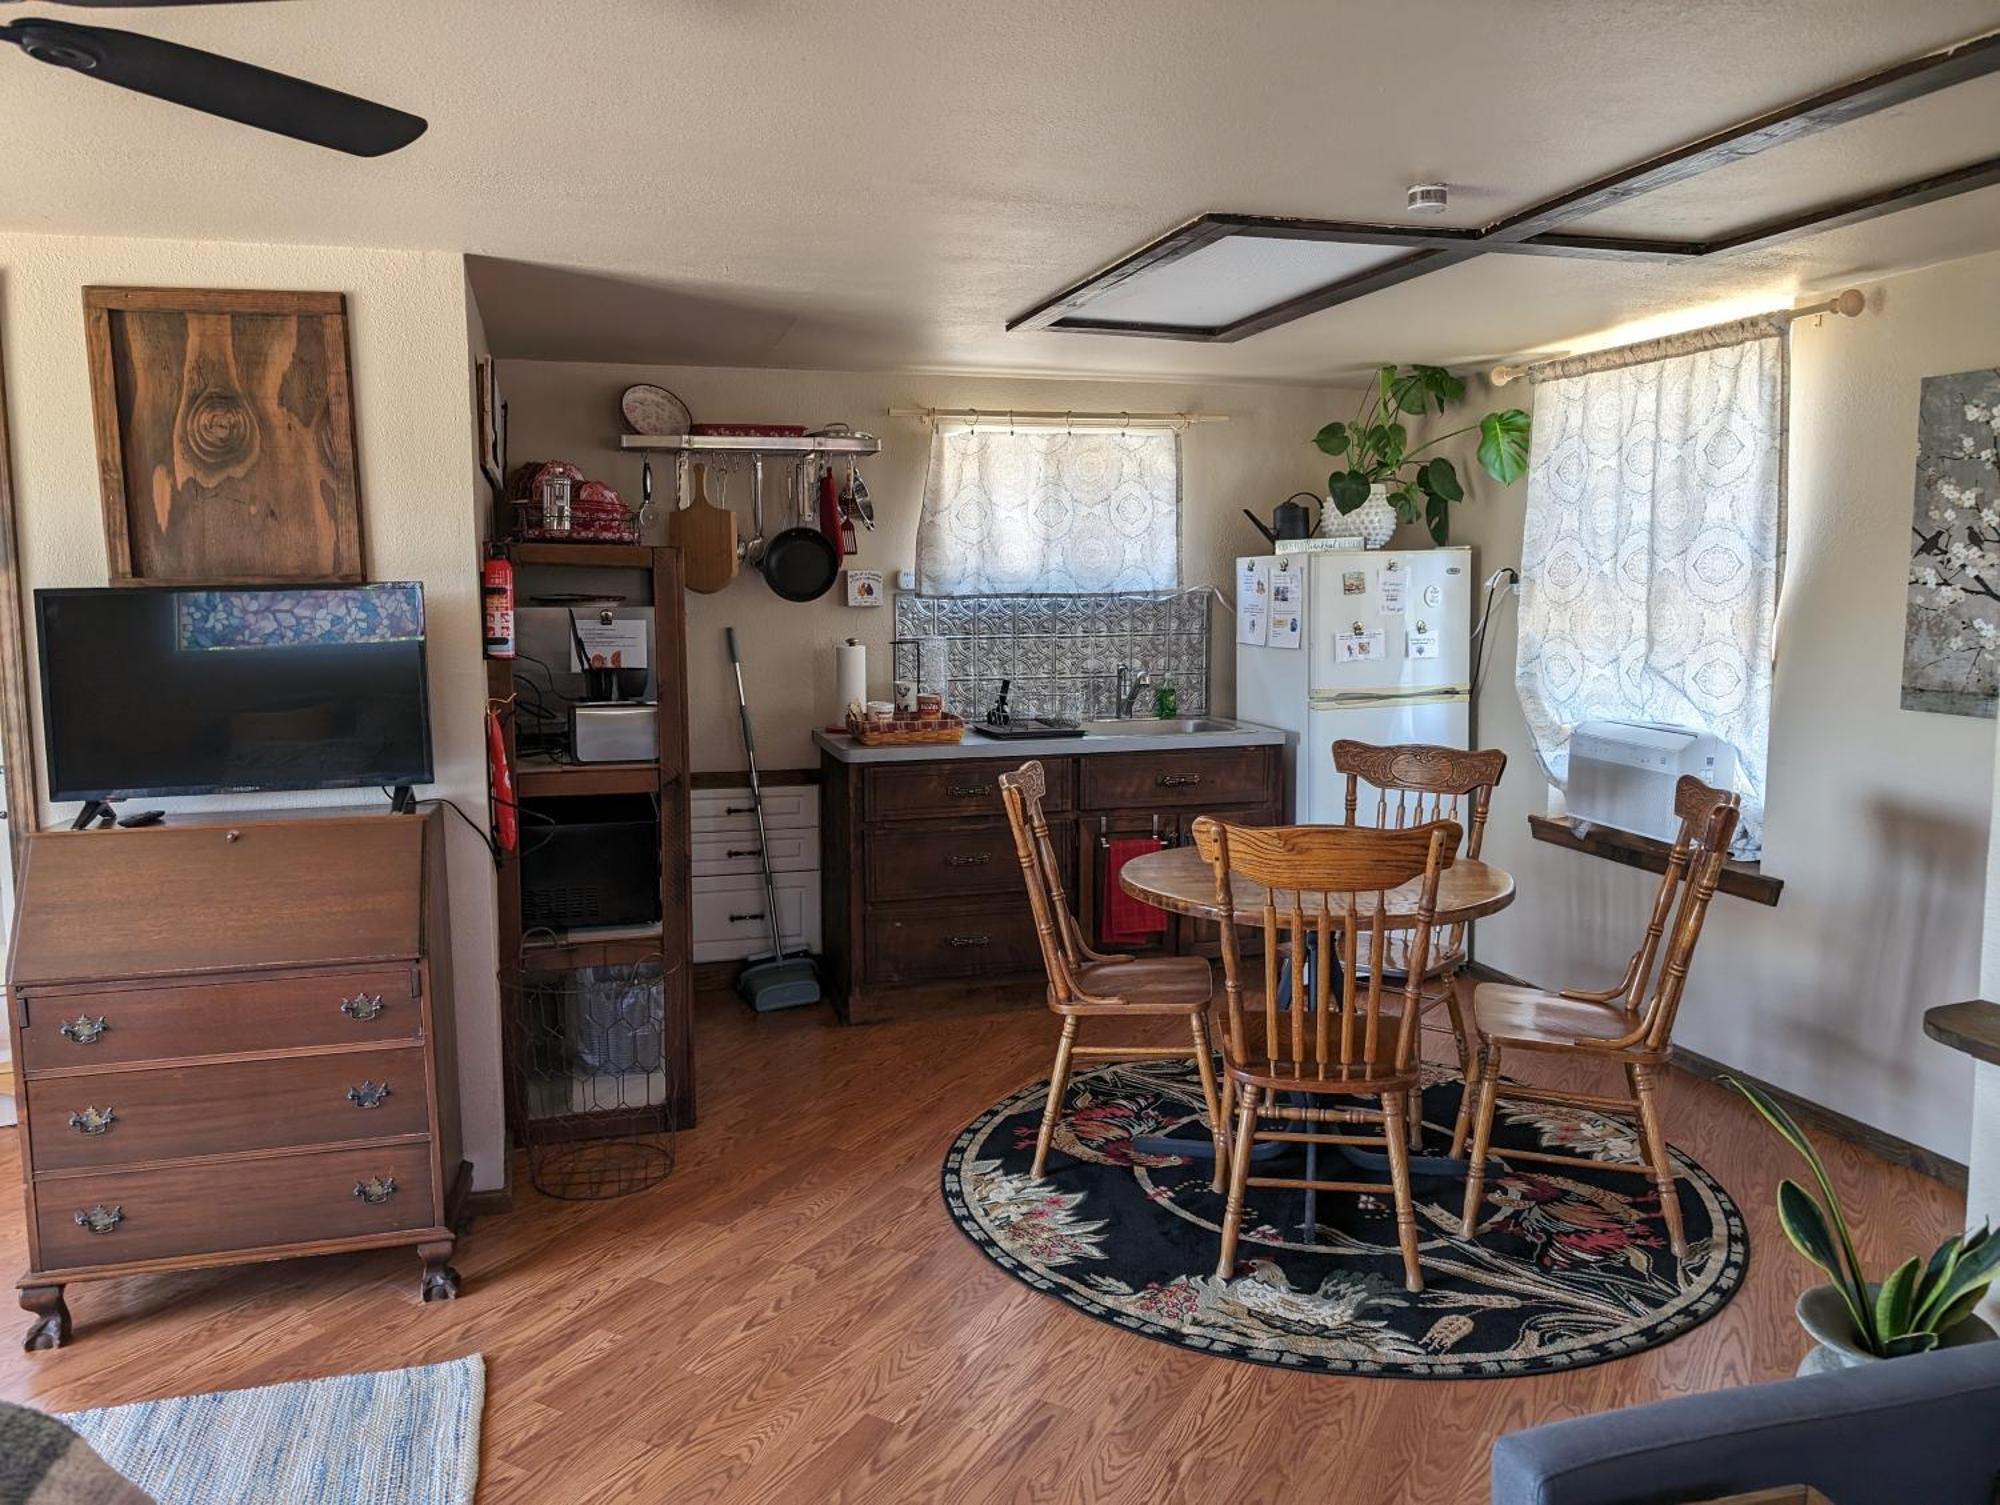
(781, 980)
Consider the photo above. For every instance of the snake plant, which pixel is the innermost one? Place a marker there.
(1921, 1300)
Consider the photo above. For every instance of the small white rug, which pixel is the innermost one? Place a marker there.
(400, 1437)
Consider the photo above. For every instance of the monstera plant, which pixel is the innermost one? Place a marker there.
(1376, 451)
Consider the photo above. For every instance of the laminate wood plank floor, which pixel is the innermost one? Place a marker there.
(791, 1316)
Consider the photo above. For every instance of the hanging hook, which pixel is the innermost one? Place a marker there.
(1069, 422)
(1124, 425)
(1010, 423)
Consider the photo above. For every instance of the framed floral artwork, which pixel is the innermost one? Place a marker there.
(1951, 637)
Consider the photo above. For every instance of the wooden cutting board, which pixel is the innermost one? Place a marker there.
(706, 536)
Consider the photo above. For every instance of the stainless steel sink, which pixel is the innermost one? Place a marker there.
(1149, 726)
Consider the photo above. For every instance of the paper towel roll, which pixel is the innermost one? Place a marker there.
(850, 661)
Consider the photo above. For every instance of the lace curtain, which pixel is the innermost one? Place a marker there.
(1050, 512)
(1654, 543)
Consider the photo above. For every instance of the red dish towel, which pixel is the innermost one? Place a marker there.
(1124, 918)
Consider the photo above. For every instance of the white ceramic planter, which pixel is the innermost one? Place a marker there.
(1827, 1322)
(1373, 522)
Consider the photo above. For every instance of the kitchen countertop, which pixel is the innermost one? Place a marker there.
(1239, 734)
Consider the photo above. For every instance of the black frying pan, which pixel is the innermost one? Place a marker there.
(801, 563)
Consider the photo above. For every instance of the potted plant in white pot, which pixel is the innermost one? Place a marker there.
(1385, 480)
(1923, 1304)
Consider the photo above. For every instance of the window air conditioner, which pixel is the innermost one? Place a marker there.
(1622, 773)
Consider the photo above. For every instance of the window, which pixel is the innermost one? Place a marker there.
(1654, 542)
(1050, 512)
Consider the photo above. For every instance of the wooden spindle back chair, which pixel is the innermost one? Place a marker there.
(1085, 983)
(1631, 1023)
(1332, 883)
(1412, 783)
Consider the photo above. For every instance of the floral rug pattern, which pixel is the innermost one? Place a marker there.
(1571, 1265)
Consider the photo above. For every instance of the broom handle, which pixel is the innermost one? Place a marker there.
(757, 802)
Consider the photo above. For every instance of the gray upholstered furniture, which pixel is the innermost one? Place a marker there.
(1924, 1429)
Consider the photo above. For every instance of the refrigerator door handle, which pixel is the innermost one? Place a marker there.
(1424, 695)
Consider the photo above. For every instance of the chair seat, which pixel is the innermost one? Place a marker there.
(1528, 1016)
(1145, 985)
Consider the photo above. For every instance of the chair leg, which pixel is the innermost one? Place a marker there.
(1239, 1173)
(1058, 1083)
(1641, 1078)
(1482, 1136)
(1395, 1108)
(1467, 1066)
(1224, 1135)
(1204, 1062)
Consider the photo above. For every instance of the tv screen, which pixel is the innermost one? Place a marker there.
(187, 691)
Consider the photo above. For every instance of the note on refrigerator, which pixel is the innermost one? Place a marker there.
(1359, 647)
(1287, 603)
(1389, 593)
(1421, 643)
(1253, 601)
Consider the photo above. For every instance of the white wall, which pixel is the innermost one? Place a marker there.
(1877, 818)
(408, 325)
(562, 410)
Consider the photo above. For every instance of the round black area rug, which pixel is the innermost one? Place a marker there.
(1571, 1266)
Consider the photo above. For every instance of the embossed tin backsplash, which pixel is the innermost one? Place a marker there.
(1062, 653)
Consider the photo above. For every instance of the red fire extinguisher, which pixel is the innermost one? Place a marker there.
(496, 599)
(506, 814)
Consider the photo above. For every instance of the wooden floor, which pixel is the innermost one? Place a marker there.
(791, 1317)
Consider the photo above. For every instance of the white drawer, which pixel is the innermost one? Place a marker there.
(787, 807)
(793, 850)
(729, 921)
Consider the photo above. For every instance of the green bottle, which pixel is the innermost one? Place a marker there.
(1166, 703)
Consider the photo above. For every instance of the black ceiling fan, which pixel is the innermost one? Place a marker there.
(217, 85)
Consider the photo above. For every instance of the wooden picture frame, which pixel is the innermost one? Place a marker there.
(226, 448)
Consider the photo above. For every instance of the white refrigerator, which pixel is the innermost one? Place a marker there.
(1370, 644)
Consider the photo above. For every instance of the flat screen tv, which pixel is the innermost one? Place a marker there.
(157, 690)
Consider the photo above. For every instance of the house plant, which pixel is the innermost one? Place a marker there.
(1923, 1304)
(1381, 464)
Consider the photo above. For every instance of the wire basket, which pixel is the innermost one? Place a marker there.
(595, 1066)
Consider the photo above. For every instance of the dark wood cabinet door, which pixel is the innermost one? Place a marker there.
(1199, 779)
(948, 862)
(913, 943)
(964, 788)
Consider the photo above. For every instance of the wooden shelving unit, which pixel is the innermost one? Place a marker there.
(655, 579)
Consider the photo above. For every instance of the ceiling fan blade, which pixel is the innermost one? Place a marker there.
(218, 85)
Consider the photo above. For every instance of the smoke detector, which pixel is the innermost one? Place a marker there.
(1428, 198)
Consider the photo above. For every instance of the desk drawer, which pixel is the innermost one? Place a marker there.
(117, 1026)
(957, 787)
(787, 807)
(1202, 779)
(912, 943)
(173, 1112)
(720, 854)
(944, 862)
(232, 1204)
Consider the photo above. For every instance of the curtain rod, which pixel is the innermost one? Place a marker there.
(1848, 304)
(1023, 415)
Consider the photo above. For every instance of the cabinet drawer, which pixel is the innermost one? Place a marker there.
(953, 787)
(117, 1026)
(907, 943)
(171, 1112)
(943, 862)
(728, 915)
(234, 1204)
(786, 807)
(717, 855)
(1202, 779)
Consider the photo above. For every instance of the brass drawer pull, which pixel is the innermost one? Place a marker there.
(368, 1094)
(101, 1219)
(84, 1031)
(362, 1006)
(968, 859)
(972, 940)
(376, 1189)
(93, 1121)
(969, 791)
(1178, 780)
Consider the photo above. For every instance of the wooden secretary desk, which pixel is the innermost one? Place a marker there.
(234, 1039)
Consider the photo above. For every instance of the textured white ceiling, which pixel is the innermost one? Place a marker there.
(883, 183)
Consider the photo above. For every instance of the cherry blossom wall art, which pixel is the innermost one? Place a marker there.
(1951, 637)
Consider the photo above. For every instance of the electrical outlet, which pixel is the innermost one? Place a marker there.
(906, 580)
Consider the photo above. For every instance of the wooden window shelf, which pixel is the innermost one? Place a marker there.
(1972, 1026)
(1746, 880)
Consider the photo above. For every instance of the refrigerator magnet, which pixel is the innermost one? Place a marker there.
(1354, 582)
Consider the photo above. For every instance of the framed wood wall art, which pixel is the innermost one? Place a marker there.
(225, 435)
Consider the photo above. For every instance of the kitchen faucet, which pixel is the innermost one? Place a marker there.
(1129, 688)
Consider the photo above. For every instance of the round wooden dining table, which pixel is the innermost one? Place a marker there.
(1178, 880)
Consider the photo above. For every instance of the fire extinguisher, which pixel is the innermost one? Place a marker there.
(506, 814)
(496, 598)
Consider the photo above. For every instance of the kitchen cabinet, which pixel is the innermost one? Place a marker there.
(921, 885)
